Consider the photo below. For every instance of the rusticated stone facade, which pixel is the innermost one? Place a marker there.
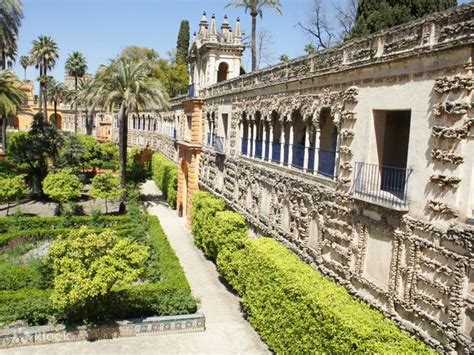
(360, 159)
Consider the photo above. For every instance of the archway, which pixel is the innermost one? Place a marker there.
(56, 120)
(222, 72)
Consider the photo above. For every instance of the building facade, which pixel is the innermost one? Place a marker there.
(358, 158)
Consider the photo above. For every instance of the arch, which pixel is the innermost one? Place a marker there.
(56, 120)
(222, 72)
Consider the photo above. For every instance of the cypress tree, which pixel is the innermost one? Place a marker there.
(182, 47)
(374, 15)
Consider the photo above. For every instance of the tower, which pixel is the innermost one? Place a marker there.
(215, 55)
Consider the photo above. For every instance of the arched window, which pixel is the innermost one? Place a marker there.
(222, 73)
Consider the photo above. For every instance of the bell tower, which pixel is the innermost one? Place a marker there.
(215, 55)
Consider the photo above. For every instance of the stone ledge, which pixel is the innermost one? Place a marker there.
(50, 334)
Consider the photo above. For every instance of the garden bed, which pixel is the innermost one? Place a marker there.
(26, 281)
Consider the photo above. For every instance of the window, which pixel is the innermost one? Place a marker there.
(222, 72)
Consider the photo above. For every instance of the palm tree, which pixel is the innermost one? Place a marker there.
(56, 93)
(255, 7)
(44, 54)
(11, 14)
(25, 62)
(11, 99)
(129, 86)
(76, 66)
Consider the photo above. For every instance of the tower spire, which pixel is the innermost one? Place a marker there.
(213, 29)
(238, 32)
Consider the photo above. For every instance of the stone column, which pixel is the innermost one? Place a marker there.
(336, 159)
(254, 126)
(282, 143)
(270, 142)
(306, 150)
(290, 148)
(264, 142)
(240, 137)
(316, 150)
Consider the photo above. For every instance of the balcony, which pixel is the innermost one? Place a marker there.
(381, 185)
(314, 161)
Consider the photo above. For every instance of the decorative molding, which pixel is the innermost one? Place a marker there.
(443, 180)
(458, 82)
(446, 156)
(449, 132)
(454, 108)
(443, 208)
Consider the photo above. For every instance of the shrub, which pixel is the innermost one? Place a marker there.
(30, 305)
(165, 176)
(106, 186)
(297, 310)
(15, 277)
(292, 306)
(11, 189)
(87, 265)
(62, 186)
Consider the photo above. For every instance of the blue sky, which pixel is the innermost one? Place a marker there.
(100, 29)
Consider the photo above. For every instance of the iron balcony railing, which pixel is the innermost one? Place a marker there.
(382, 185)
(219, 145)
(326, 159)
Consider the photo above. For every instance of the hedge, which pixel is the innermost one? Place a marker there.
(165, 176)
(170, 295)
(293, 307)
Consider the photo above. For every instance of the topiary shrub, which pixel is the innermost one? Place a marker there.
(205, 207)
(165, 176)
(297, 310)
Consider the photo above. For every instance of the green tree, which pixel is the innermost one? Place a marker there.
(374, 15)
(182, 47)
(11, 14)
(109, 152)
(92, 156)
(129, 86)
(33, 150)
(62, 186)
(25, 62)
(11, 189)
(86, 266)
(72, 152)
(44, 55)
(255, 7)
(284, 58)
(106, 186)
(76, 66)
(11, 98)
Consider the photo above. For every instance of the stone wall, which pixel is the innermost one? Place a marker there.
(412, 261)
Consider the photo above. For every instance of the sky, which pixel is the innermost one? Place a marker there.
(100, 29)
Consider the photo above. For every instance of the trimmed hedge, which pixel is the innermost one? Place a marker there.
(170, 295)
(165, 176)
(293, 307)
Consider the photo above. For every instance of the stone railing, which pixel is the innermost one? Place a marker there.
(438, 31)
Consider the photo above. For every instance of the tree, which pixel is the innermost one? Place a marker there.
(182, 47)
(374, 15)
(318, 26)
(72, 153)
(86, 266)
(76, 66)
(284, 58)
(129, 86)
(106, 186)
(255, 7)
(264, 41)
(62, 186)
(11, 189)
(309, 49)
(11, 14)
(56, 93)
(33, 150)
(11, 99)
(92, 153)
(25, 63)
(44, 54)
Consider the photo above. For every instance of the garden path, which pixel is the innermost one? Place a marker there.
(227, 332)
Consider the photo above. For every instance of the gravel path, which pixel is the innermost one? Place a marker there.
(227, 332)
